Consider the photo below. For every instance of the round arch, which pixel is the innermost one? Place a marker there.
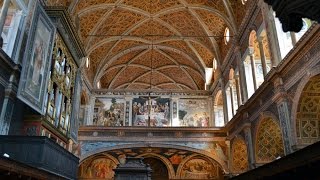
(221, 162)
(268, 143)
(165, 161)
(296, 99)
(191, 157)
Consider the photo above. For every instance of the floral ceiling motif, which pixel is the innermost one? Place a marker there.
(158, 44)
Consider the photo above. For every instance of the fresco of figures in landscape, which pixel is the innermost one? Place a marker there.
(97, 168)
(184, 164)
(109, 112)
(193, 113)
(157, 108)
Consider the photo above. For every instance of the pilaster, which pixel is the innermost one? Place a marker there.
(242, 76)
(282, 101)
(249, 143)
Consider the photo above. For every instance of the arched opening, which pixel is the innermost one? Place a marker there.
(239, 161)
(232, 95)
(269, 144)
(159, 169)
(308, 113)
(218, 110)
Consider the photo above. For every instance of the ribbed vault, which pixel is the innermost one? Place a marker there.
(159, 44)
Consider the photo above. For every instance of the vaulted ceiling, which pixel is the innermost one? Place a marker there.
(157, 44)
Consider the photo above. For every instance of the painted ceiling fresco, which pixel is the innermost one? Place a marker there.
(152, 44)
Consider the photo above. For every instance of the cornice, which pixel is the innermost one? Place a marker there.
(62, 20)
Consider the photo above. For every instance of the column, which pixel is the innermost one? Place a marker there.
(249, 143)
(263, 57)
(231, 97)
(253, 68)
(242, 76)
(281, 98)
(238, 90)
(225, 103)
(293, 38)
(7, 109)
(268, 19)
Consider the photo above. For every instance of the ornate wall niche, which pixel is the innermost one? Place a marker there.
(239, 155)
(199, 167)
(268, 142)
(308, 113)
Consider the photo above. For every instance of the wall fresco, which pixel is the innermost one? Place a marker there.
(193, 113)
(97, 168)
(109, 112)
(200, 168)
(155, 108)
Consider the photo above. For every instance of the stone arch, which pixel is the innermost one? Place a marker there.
(216, 166)
(308, 112)
(171, 172)
(268, 139)
(205, 153)
(239, 156)
(295, 102)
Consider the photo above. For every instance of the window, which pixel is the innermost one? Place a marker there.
(87, 62)
(244, 2)
(98, 85)
(226, 35)
(215, 64)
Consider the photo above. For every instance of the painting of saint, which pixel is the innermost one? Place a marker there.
(39, 53)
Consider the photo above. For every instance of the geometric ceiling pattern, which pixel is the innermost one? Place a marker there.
(157, 44)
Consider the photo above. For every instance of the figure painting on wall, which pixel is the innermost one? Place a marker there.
(193, 113)
(36, 61)
(198, 168)
(109, 112)
(100, 168)
(158, 110)
(36, 68)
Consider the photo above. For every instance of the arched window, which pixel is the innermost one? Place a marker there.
(232, 95)
(215, 64)
(244, 2)
(288, 39)
(226, 35)
(98, 85)
(87, 62)
(218, 110)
